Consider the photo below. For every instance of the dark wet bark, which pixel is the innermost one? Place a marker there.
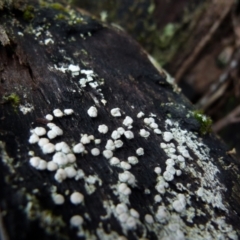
(38, 47)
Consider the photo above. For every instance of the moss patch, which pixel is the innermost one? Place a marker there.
(28, 13)
(13, 99)
(205, 121)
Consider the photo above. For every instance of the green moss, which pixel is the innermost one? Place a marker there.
(28, 13)
(61, 17)
(205, 122)
(58, 6)
(13, 99)
(167, 35)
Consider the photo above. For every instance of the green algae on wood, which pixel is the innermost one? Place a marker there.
(13, 99)
(205, 121)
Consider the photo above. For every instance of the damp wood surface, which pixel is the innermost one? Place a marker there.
(125, 156)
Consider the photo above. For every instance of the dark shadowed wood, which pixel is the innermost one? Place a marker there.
(184, 186)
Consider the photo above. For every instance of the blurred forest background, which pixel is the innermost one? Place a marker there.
(197, 42)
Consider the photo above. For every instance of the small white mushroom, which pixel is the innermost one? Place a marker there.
(51, 125)
(48, 148)
(144, 133)
(118, 143)
(57, 113)
(92, 112)
(76, 198)
(157, 170)
(60, 175)
(157, 131)
(34, 161)
(115, 135)
(168, 176)
(178, 172)
(149, 219)
(121, 130)
(103, 128)
(133, 160)
(71, 158)
(68, 111)
(76, 221)
(57, 130)
(85, 139)
(121, 208)
(49, 117)
(78, 148)
(70, 171)
(60, 158)
(62, 146)
(107, 154)
(125, 165)
(140, 115)
(124, 189)
(157, 198)
(33, 138)
(171, 169)
(97, 141)
(180, 204)
(42, 165)
(48, 40)
(129, 134)
(134, 213)
(127, 177)
(131, 223)
(140, 151)
(110, 145)
(52, 166)
(114, 161)
(95, 151)
(170, 162)
(123, 217)
(115, 112)
(162, 214)
(58, 199)
(128, 121)
(167, 136)
(42, 142)
(73, 68)
(51, 134)
(153, 125)
(40, 131)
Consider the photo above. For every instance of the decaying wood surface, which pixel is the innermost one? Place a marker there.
(156, 176)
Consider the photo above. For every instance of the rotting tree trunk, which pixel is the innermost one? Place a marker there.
(167, 180)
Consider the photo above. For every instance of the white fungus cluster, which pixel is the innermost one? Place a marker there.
(178, 145)
(74, 69)
(127, 177)
(179, 205)
(54, 131)
(128, 218)
(89, 77)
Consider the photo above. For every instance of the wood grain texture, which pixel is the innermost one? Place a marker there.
(36, 78)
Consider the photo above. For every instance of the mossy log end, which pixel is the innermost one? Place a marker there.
(125, 160)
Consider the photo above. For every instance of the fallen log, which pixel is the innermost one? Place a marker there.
(94, 141)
